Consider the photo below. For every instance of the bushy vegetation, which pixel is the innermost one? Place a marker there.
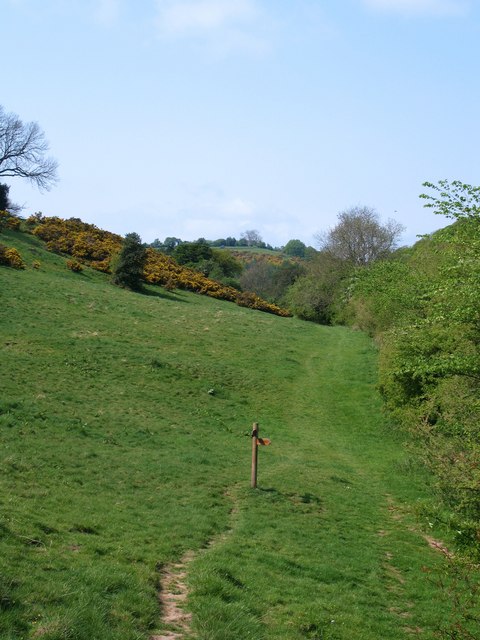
(216, 264)
(74, 266)
(95, 247)
(271, 278)
(295, 248)
(314, 295)
(10, 257)
(130, 263)
(423, 308)
(8, 220)
(81, 240)
(358, 239)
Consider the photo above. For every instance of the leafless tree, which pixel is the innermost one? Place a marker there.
(253, 237)
(23, 151)
(359, 237)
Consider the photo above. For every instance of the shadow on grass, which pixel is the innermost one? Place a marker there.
(295, 498)
(163, 294)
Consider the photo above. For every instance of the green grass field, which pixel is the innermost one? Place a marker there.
(116, 460)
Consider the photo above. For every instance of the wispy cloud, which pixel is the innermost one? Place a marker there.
(420, 7)
(223, 24)
(106, 12)
(103, 12)
(182, 17)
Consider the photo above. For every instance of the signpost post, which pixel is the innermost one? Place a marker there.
(253, 483)
(256, 441)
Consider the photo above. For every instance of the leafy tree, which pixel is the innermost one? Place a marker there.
(128, 270)
(258, 278)
(213, 263)
(359, 238)
(270, 280)
(23, 151)
(226, 263)
(313, 296)
(4, 199)
(5, 203)
(191, 253)
(454, 200)
(167, 246)
(295, 248)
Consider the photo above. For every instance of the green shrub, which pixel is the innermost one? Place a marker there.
(128, 272)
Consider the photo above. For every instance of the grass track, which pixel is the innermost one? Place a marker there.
(115, 460)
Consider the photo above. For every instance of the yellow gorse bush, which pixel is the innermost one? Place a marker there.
(9, 221)
(10, 257)
(74, 266)
(95, 247)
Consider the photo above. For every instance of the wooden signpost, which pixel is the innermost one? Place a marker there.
(256, 441)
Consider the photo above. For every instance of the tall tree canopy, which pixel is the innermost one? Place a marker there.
(359, 237)
(295, 248)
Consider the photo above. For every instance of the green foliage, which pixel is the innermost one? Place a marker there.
(191, 253)
(128, 270)
(423, 307)
(167, 246)
(383, 294)
(216, 264)
(313, 296)
(226, 262)
(270, 279)
(295, 248)
(453, 199)
(4, 199)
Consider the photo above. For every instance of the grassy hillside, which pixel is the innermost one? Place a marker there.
(124, 427)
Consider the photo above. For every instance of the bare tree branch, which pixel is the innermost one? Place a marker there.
(359, 237)
(23, 149)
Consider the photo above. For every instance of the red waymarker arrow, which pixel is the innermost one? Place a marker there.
(264, 441)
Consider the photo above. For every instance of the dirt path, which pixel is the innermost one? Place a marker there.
(172, 596)
(173, 591)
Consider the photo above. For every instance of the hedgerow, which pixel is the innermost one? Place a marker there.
(423, 308)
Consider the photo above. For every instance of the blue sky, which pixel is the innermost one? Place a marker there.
(194, 118)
